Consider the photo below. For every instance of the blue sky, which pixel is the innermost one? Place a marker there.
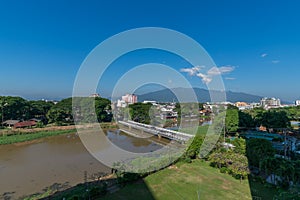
(43, 43)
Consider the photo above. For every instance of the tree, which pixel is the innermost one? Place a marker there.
(15, 108)
(239, 166)
(103, 109)
(194, 148)
(275, 119)
(235, 163)
(232, 120)
(240, 145)
(139, 112)
(257, 150)
(61, 113)
(245, 120)
(39, 109)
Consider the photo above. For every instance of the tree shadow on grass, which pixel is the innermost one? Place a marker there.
(101, 189)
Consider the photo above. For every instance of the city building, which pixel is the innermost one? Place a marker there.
(126, 100)
(130, 98)
(243, 105)
(121, 104)
(297, 102)
(270, 103)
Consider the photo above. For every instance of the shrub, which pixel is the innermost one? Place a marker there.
(224, 170)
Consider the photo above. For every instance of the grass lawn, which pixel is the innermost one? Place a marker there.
(137, 190)
(202, 130)
(188, 181)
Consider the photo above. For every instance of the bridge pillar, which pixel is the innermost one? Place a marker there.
(142, 131)
(129, 127)
(159, 136)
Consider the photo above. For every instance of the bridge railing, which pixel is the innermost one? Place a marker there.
(158, 130)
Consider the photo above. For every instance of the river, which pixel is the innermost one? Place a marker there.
(57, 161)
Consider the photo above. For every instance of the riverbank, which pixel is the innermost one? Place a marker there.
(31, 137)
(11, 136)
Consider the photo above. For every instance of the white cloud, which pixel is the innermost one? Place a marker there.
(192, 71)
(221, 70)
(275, 61)
(205, 78)
(208, 77)
(263, 55)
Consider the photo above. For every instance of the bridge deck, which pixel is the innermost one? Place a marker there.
(170, 134)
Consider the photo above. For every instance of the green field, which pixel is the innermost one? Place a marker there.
(188, 181)
(22, 137)
(202, 130)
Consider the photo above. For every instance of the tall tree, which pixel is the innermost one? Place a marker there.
(61, 113)
(139, 112)
(257, 150)
(14, 108)
(245, 120)
(232, 120)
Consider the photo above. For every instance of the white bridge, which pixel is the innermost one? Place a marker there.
(154, 130)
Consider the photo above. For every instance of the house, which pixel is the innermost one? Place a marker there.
(261, 128)
(10, 123)
(25, 124)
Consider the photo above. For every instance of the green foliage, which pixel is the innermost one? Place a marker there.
(103, 109)
(139, 112)
(275, 119)
(14, 108)
(240, 145)
(245, 120)
(39, 108)
(232, 120)
(194, 148)
(86, 110)
(288, 170)
(40, 124)
(224, 170)
(257, 150)
(20, 109)
(61, 113)
(230, 162)
(293, 112)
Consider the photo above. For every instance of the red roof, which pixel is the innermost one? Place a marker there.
(24, 124)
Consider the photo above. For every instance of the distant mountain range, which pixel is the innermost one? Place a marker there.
(203, 95)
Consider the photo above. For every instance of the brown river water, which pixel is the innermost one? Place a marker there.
(57, 161)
